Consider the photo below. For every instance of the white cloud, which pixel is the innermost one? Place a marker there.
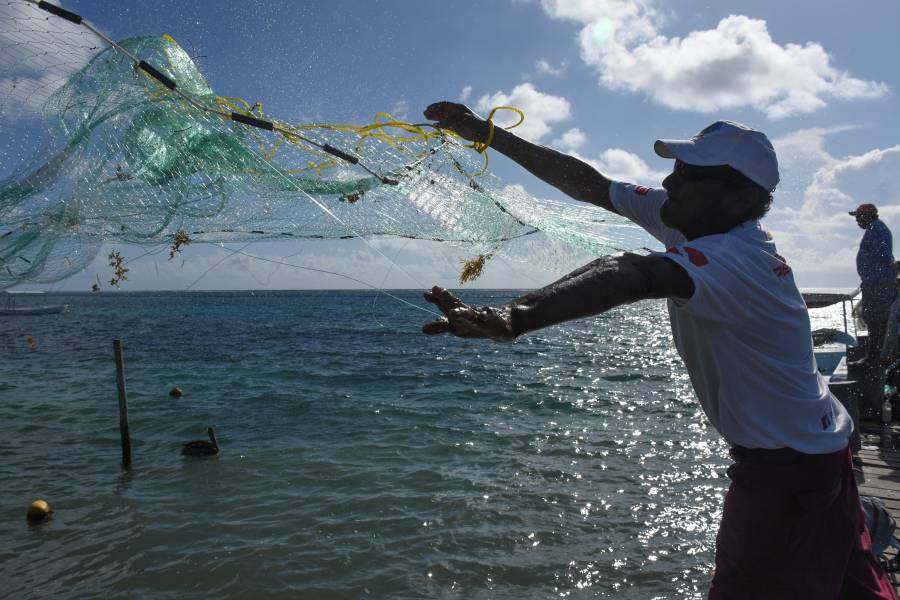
(800, 154)
(545, 68)
(570, 140)
(541, 110)
(843, 184)
(465, 93)
(817, 236)
(39, 53)
(735, 65)
(806, 145)
(625, 20)
(621, 165)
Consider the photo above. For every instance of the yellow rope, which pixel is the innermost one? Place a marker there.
(383, 122)
(482, 147)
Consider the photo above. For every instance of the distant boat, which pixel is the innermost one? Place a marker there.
(831, 344)
(9, 308)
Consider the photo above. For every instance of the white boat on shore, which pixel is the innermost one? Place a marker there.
(830, 345)
(9, 308)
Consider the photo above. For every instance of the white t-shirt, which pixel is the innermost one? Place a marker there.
(744, 335)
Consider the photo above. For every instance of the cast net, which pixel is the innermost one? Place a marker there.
(128, 144)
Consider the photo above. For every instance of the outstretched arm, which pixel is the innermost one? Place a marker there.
(595, 288)
(573, 177)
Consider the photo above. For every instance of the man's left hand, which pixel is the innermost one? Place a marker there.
(465, 321)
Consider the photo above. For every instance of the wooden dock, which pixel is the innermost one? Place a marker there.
(881, 466)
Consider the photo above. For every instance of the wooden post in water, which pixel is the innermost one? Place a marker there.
(123, 404)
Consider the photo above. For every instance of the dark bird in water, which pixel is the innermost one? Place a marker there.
(202, 447)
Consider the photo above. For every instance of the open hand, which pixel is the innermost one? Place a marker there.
(468, 322)
(459, 119)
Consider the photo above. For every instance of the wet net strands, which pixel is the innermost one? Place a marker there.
(124, 142)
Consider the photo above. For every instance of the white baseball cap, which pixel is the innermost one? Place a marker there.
(727, 143)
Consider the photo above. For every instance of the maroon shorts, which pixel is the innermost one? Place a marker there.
(795, 529)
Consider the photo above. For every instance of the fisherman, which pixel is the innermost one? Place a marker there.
(875, 266)
(792, 524)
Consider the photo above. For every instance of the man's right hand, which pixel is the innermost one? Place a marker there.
(459, 119)
(572, 176)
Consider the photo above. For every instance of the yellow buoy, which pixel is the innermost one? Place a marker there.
(39, 510)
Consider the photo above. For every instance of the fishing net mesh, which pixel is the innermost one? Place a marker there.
(107, 154)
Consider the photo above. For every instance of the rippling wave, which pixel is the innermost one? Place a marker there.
(360, 459)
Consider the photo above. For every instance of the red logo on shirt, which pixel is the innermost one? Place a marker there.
(674, 250)
(641, 190)
(696, 257)
(783, 269)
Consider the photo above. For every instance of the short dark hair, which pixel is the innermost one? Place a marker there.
(763, 201)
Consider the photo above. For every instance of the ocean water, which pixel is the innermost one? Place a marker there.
(359, 458)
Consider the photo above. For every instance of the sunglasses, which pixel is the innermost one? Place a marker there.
(722, 173)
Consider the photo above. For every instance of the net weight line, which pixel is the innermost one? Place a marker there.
(172, 86)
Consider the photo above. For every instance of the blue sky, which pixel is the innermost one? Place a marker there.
(602, 79)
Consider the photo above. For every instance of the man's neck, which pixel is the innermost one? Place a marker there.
(715, 231)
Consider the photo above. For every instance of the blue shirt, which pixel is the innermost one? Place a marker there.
(875, 259)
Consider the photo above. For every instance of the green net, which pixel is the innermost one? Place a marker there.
(113, 156)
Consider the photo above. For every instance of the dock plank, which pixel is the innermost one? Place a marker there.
(881, 467)
(882, 460)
